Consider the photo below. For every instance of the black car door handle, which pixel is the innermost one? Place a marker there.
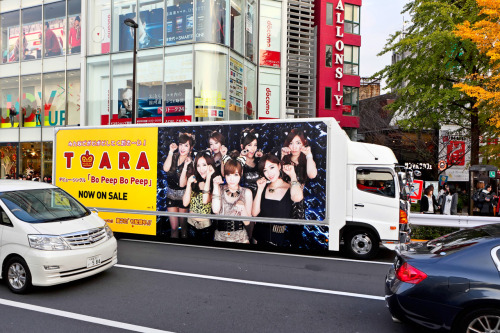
(359, 205)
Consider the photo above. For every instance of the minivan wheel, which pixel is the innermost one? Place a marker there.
(481, 321)
(361, 243)
(17, 275)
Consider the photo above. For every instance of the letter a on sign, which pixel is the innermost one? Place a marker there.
(340, 6)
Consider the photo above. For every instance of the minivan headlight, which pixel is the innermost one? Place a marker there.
(109, 232)
(48, 242)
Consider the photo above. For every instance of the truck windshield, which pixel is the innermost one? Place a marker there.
(43, 205)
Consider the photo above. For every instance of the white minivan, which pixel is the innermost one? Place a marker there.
(47, 237)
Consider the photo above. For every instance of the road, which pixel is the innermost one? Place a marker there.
(180, 288)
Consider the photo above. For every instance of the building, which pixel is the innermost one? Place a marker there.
(338, 44)
(70, 63)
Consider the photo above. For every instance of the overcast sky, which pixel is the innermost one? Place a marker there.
(379, 19)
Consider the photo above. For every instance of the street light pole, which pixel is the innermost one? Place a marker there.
(131, 23)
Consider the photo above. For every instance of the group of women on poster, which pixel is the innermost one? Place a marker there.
(241, 182)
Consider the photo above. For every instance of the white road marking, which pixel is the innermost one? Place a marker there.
(257, 251)
(255, 283)
(76, 316)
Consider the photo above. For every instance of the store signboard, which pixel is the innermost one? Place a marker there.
(269, 101)
(270, 42)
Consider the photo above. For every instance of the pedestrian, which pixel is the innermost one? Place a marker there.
(486, 201)
(37, 114)
(428, 204)
(12, 115)
(450, 202)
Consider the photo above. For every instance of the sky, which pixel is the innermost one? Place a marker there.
(379, 19)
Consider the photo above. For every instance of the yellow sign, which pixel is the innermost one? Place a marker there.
(211, 98)
(112, 168)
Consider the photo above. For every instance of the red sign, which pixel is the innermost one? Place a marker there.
(270, 58)
(346, 108)
(173, 109)
(416, 191)
(178, 119)
(456, 153)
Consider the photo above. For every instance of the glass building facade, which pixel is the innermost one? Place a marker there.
(196, 61)
(70, 63)
(40, 80)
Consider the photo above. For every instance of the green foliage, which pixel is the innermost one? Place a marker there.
(434, 59)
(428, 233)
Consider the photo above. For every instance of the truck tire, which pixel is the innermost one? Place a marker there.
(17, 275)
(361, 243)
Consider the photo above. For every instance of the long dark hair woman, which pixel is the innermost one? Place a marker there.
(198, 195)
(297, 152)
(275, 198)
(178, 159)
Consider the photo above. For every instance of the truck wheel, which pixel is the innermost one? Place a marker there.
(17, 275)
(481, 320)
(361, 244)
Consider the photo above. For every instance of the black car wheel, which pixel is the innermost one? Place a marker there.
(17, 275)
(361, 243)
(481, 321)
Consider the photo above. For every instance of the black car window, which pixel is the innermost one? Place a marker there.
(458, 240)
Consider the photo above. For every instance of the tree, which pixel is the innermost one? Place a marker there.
(485, 86)
(433, 59)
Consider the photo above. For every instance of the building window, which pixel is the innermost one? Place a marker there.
(351, 101)
(328, 56)
(55, 29)
(329, 13)
(54, 99)
(180, 23)
(328, 98)
(351, 60)
(150, 33)
(10, 37)
(351, 19)
(32, 33)
(74, 26)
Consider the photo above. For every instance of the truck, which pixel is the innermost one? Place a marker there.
(340, 192)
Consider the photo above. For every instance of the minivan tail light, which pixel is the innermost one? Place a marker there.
(403, 217)
(409, 274)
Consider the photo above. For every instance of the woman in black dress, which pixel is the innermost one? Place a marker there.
(275, 198)
(176, 166)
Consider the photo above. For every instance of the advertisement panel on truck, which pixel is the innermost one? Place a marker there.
(235, 169)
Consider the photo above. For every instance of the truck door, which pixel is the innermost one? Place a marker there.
(375, 199)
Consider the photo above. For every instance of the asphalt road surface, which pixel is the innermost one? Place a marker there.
(182, 288)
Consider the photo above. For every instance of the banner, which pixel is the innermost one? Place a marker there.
(111, 168)
(140, 168)
(270, 42)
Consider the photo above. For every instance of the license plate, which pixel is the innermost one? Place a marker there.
(93, 261)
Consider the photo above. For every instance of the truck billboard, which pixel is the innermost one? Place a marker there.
(125, 168)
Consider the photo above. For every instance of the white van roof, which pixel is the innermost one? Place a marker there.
(7, 185)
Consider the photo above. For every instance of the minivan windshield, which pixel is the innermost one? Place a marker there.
(43, 205)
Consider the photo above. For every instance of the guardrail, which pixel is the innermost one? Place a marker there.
(456, 221)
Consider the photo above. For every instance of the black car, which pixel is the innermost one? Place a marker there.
(451, 283)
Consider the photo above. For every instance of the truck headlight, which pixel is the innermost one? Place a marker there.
(109, 232)
(48, 242)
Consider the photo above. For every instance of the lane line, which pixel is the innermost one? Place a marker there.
(76, 316)
(255, 283)
(253, 251)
